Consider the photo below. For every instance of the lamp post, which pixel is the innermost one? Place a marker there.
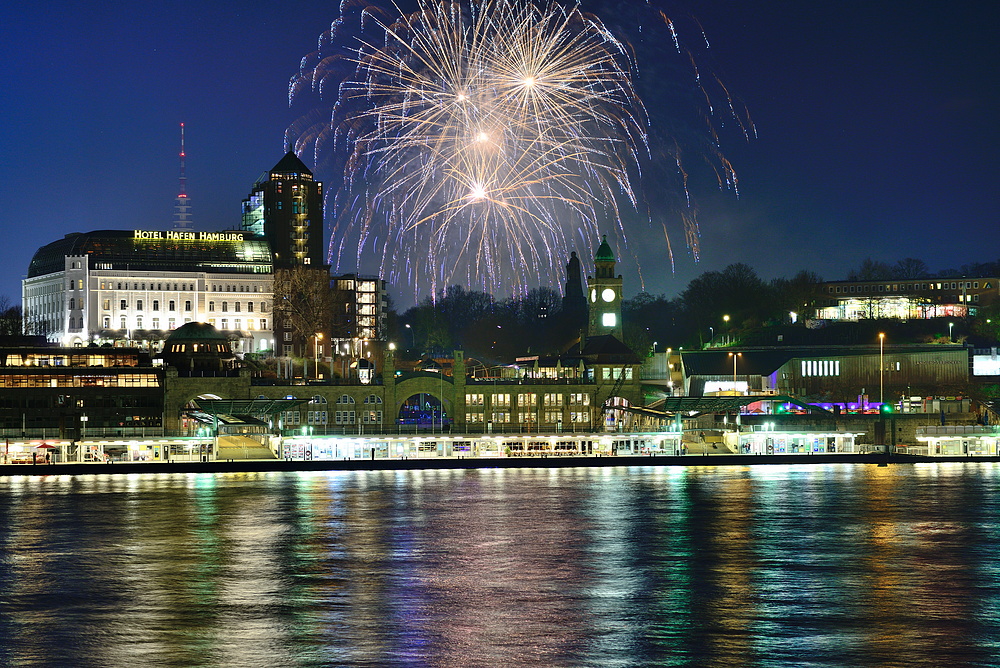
(735, 356)
(316, 339)
(951, 326)
(881, 367)
(712, 337)
(725, 319)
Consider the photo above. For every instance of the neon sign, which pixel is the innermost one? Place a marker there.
(148, 235)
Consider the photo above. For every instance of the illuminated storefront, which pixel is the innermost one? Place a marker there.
(768, 440)
(959, 440)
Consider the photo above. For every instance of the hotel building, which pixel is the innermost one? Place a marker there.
(135, 286)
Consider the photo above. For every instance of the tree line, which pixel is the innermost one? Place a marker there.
(499, 330)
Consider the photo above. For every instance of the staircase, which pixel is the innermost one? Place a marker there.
(242, 448)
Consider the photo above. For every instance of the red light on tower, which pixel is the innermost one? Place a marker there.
(182, 216)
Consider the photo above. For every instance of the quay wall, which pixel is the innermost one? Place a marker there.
(262, 466)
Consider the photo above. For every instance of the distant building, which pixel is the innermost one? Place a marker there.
(848, 374)
(357, 332)
(138, 285)
(285, 206)
(910, 299)
(360, 304)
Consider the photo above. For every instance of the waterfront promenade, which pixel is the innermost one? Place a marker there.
(452, 463)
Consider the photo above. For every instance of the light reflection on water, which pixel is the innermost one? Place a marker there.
(824, 565)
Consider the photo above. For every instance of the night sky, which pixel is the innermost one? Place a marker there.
(876, 123)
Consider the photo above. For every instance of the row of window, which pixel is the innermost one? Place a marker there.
(140, 305)
(171, 323)
(294, 418)
(347, 399)
(110, 285)
(112, 380)
(909, 287)
(139, 322)
(527, 417)
(817, 368)
(237, 306)
(238, 323)
(529, 400)
(237, 288)
(75, 284)
(820, 368)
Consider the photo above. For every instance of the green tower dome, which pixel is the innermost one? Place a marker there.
(604, 253)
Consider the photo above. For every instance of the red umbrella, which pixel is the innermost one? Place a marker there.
(45, 446)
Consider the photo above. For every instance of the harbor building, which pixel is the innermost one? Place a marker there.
(906, 299)
(55, 392)
(133, 287)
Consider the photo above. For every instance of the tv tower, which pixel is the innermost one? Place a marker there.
(182, 216)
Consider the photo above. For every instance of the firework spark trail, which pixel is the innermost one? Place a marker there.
(484, 139)
(486, 135)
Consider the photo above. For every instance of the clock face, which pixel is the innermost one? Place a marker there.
(608, 295)
(593, 295)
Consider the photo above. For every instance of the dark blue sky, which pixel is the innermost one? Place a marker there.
(877, 126)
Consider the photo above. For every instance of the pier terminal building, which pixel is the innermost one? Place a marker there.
(209, 298)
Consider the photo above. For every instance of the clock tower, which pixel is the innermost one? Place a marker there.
(604, 294)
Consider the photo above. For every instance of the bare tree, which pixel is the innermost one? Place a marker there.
(303, 300)
(910, 268)
(871, 270)
(11, 320)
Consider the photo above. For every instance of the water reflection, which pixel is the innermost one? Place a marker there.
(825, 565)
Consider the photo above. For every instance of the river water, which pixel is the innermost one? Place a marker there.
(806, 565)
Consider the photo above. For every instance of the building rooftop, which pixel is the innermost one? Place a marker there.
(222, 252)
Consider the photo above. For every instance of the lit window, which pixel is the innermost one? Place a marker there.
(608, 319)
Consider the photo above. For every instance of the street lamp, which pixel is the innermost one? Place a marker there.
(316, 338)
(725, 319)
(735, 356)
(881, 367)
(712, 337)
(951, 325)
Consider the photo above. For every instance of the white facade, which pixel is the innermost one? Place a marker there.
(83, 304)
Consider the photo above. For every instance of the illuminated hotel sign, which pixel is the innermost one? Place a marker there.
(147, 235)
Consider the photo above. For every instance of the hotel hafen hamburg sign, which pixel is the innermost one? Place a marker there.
(148, 235)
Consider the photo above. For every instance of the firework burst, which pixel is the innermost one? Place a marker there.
(481, 140)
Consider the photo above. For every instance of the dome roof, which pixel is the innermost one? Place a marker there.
(194, 331)
(604, 253)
